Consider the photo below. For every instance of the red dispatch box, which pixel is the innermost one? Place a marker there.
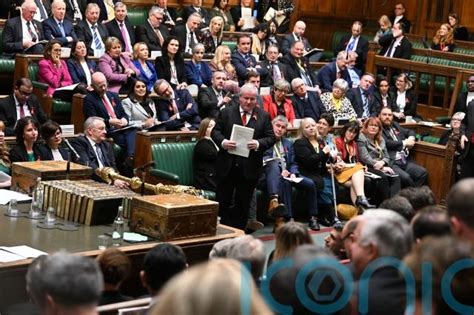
(173, 216)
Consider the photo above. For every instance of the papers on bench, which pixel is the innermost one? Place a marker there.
(6, 195)
(371, 175)
(14, 253)
(271, 13)
(247, 18)
(311, 52)
(241, 135)
(294, 179)
(428, 123)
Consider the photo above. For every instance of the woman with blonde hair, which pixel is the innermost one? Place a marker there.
(444, 38)
(212, 288)
(287, 238)
(406, 99)
(221, 8)
(147, 72)
(212, 38)
(221, 62)
(385, 28)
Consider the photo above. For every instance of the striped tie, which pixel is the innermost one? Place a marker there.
(97, 42)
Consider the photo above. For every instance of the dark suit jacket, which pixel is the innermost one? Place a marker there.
(204, 164)
(84, 33)
(51, 31)
(149, 80)
(188, 10)
(263, 132)
(355, 96)
(311, 164)
(403, 20)
(163, 69)
(236, 13)
(70, 10)
(88, 156)
(402, 51)
(312, 107)
(467, 124)
(145, 33)
(13, 35)
(207, 101)
(411, 102)
(377, 104)
(182, 98)
(18, 153)
(181, 33)
(174, 16)
(47, 155)
(8, 112)
(361, 49)
(288, 41)
(77, 73)
(238, 61)
(328, 74)
(113, 29)
(268, 79)
(93, 106)
(292, 69)
(192, 73)
(291, 164)
(394, 146)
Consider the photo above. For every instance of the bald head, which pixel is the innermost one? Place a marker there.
(299, 28)
(28, 10)
(99, 83)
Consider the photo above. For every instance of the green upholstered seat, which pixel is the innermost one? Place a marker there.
(7, 65)
(231, 43)
(174, 162)
(137, 16)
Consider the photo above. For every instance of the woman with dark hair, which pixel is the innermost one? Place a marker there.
(80, 67)
(259, 40)
(272, 37)
(205, 157)
(212, 38)
(115, 267)
(405, 98)
(221, 8)
(444, 38)
(52, 135)
(197, 71)
(277, 103)
(383, 97)
(170, 66)
(27, 149)
(117, 67)
(139, 107)
(145, 67)
(373, 154)
(352, 173)
(54, 72)
(459, 32)
(4, 156)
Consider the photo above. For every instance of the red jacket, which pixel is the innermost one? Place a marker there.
(271, 108)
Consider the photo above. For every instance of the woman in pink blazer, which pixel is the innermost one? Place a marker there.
(54, 72)
(117, 67)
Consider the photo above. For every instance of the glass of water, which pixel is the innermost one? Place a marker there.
(13, 208)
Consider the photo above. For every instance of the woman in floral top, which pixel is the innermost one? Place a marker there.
(336, 103)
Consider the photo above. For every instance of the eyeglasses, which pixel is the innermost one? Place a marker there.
(25, 93)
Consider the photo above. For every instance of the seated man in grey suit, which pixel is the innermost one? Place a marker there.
(22, 34)
(153, 33)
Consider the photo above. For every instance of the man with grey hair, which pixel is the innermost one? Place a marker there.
(295, 36)
(381, 238)
(121, 28)
(63, 283)
(306, 103)
(153, 32)
(333, 71)
(22, 34)
(92, 32)
(188, 34)
(57, 26)
(238, 174)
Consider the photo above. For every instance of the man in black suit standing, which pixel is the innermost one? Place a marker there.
(196, 7)
(44, 10)
(57, 27)
(399, 17)
(94, 150)
(238, 175)
(355, 42)
(213, 99)
(21, 103)
(189, 34)
(243, 61)
(121, 28)
(333, 71)
(465, 104)
(297, 66)
(395, 45)
(22, 33)
(91, 32)
(306, 103)
(75, 9)
(153, 33)
(276, 69)
(295, 36)
(399, 141)
(362, 97)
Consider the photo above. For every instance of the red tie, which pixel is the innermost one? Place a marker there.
(244, 118)
(22, 111)
(108, 107)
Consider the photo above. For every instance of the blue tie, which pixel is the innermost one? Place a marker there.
(97, 42)
(350, 47)
(61, 28)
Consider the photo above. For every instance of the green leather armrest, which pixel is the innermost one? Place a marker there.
(165, 175)
(39, 85)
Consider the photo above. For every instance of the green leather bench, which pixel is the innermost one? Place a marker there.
(137, 16)
(174, 163)
(7, 69)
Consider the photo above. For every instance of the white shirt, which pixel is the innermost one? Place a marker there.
(97, 52)
(470, 97)
(356, 42)
(397, 18)
(87, 71)
(401, 102)
(24, 29)
(57, 155)
(93, 144)
(126, 33)
(26, 110)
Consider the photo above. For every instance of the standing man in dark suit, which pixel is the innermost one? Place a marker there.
(243, 61)
(22, 103)
(44, 10)
(94, 150)
(213, 99)
(170, 15)
(196, 7)
(75, 9)
(362, 97)
(177, 109)
(236, 12)
(396, 45)
(465, 104)
(297, 66)
(399, 141)
(22, 33)
(91, 32)
(57, 27)
(237, 175)
(332, 71)
(295, 36)
(355, 42)
(153, 33)
(306, 103)
(276, 69)
(121, 28)
(107, 105)
(188, 34)
(399, 17)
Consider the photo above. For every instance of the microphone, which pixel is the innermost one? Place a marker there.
(78, 157)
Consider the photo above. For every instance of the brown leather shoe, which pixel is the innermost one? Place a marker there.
(254, 225)
(278, 222)
(276, 209)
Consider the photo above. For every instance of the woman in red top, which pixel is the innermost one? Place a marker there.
(277, 103)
